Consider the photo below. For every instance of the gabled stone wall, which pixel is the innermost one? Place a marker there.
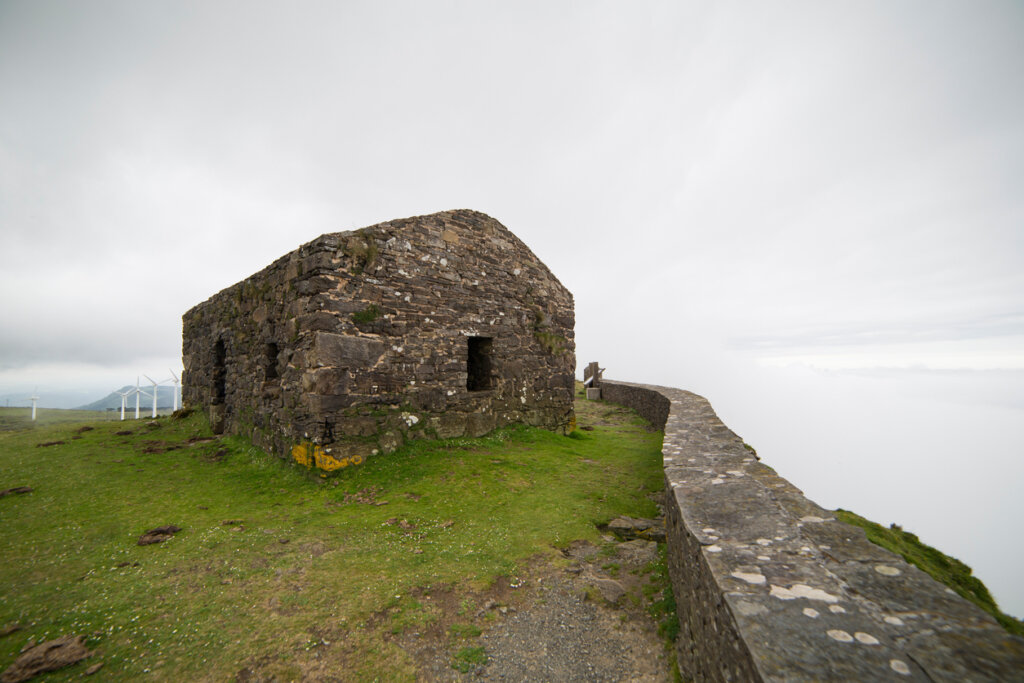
(771, 587)
(441, 326)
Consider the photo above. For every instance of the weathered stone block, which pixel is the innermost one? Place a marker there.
(478, 424)
(357, 426)
(346, 351)
(448, 426)
(326, 381)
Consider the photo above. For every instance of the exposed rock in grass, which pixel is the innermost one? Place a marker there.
(629, 528)
(49, 656)
(159, 534)
(49, 443)
(9, 629)
(637, 552)
(611, 590)
(16, 489)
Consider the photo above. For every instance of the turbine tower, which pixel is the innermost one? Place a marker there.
(124, 399)
(174, 391)
(33, 398)
(137, 392)
(155, 392)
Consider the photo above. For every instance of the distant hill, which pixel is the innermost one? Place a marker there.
(48, 398)
(164, 399)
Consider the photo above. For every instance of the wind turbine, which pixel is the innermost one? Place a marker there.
(174, 391)
(33, 398)
(137, 392)
(124, 398)
(155, 383)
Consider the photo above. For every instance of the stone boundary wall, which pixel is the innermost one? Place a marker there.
(771, 587)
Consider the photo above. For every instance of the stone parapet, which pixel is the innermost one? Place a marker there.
(771, 587)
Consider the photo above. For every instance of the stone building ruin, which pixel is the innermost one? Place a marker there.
(436, 326)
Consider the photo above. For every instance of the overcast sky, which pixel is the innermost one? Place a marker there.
(734, 192)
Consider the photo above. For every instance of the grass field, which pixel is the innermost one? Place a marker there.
(14, 419)
(275, 567)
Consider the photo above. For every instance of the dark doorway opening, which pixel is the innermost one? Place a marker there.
(219, 372)
(272, 354)
(480, 363)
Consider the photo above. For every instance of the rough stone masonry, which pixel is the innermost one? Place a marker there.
(434, 326)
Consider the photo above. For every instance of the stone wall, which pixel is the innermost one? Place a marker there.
(771, 587)
(441, 326)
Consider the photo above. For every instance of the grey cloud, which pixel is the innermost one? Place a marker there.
(984, 327)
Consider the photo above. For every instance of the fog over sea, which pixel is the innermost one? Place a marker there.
(936, 451)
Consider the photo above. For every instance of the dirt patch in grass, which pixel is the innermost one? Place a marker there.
(151, 447)
(214, 456)
(16, 489)
(158, 535)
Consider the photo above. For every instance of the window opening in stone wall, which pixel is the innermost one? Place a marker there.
(479, 364)
(219, 372)
(272, 355)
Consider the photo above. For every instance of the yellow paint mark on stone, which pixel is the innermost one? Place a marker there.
(313, 455)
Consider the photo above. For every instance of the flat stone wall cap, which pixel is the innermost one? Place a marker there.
(789, 644)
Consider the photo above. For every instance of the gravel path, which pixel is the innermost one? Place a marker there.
(562, 637)
(557, 623)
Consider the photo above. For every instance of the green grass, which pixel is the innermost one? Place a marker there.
(15, 419)
(464, 630)
(469, 658)
(273, 570)
(661, 606)
(941, 567)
